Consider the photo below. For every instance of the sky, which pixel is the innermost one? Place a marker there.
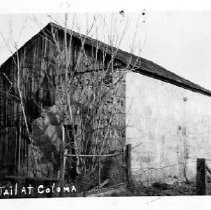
(179, 40)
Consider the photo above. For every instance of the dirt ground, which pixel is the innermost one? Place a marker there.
(159, 189)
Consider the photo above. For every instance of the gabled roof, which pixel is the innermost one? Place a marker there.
(139, 64)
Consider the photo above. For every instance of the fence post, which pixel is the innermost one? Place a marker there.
(200, 177)
(128, 164)
(99, 173)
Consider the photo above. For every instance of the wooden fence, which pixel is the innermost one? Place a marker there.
(203, 178)
(125, 169)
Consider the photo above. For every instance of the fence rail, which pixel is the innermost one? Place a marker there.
(96, 155)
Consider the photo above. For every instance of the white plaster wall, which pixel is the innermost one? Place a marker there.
(167, 133)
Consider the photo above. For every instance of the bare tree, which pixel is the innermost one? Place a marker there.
(87, 82)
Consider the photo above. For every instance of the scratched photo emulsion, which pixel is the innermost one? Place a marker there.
(105, 104)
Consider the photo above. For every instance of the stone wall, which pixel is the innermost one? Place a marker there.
(47, 137)
(169, 128)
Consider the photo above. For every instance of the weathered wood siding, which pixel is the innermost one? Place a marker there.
(42, 70)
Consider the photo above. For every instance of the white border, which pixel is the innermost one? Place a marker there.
(171, 203)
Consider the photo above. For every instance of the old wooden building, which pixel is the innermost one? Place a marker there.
(57, 96)
(66, 92)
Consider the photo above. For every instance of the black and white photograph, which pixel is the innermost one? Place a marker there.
(105, 103)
